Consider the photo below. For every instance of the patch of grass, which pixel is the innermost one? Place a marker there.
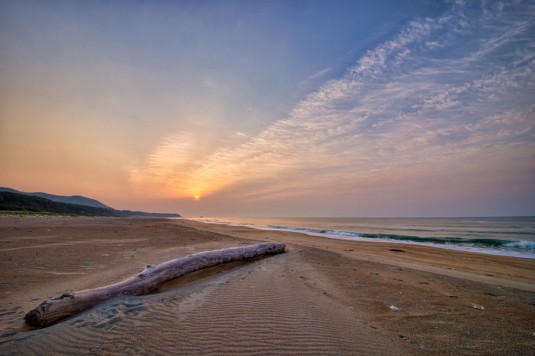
(35, 213)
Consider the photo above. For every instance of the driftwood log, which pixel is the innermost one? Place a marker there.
(147, 281)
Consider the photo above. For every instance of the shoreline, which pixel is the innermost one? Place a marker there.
(421, 257)
(310, 232)
(322, 296)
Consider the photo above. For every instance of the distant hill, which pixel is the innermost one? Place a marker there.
(75, 199)
(11, 200)
(24, 202)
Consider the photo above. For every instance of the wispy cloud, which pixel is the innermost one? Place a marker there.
(424, 99)
(318, 75)
(213, 84)
(169, 164)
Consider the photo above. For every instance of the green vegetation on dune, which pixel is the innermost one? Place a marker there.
(35, 213)
(22, 203)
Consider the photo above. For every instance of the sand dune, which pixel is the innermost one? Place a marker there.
(321, 297)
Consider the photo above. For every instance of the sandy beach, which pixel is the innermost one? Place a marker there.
(323, 296)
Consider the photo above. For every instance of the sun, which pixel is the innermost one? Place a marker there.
(197, 196)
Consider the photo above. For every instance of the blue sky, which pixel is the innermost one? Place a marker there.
(321, 108)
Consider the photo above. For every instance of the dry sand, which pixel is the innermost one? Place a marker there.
(322, 297)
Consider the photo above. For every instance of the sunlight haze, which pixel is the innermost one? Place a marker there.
(275, 108)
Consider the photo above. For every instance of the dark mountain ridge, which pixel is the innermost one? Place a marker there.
(12, 200)
(74, 199)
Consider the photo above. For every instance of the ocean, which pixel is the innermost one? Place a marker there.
(508, 236)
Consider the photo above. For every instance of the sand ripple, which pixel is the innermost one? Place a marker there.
(247, 310)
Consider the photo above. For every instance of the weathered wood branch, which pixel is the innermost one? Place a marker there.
(147, 281)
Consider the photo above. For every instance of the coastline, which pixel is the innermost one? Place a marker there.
(322, 296)
(454, 239)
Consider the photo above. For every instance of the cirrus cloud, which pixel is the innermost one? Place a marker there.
(425, 101)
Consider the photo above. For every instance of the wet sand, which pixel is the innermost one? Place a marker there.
(323, 296)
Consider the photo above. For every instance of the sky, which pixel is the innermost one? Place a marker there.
(272, 108)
